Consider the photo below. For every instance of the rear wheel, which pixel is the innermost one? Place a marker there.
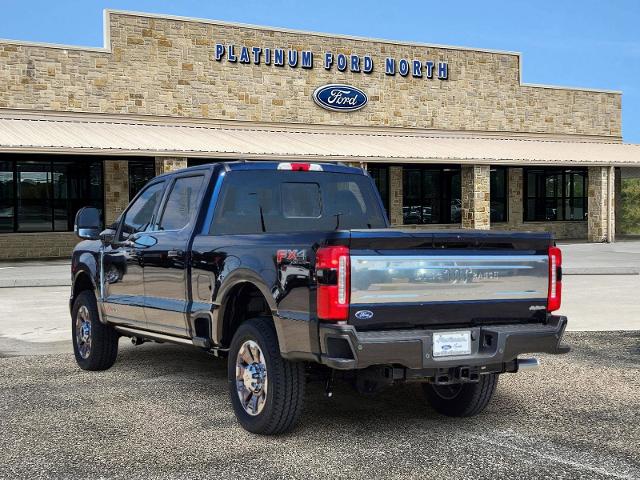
(95, 345)
(461, 399)
(266, 391)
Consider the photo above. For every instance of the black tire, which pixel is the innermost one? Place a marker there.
(464, 399)
(103, 348)
(285, 393)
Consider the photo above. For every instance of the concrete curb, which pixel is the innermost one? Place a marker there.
(34, 283)
(601, 271)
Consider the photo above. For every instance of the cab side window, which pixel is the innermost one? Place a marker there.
(140, 213)
(182, 204)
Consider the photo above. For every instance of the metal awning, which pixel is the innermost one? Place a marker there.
(77, 135)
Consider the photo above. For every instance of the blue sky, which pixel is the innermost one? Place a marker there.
(584, 43)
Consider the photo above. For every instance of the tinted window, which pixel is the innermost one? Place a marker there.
(182, 203)
(431, 195)
(300, 199)
(555, 194)
(498, 194)
(139, 215)
(6, 197)
(278, 202)
(140, 172)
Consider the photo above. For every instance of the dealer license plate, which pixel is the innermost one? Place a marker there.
(449, 344)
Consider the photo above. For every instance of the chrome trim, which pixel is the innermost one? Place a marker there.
(445, 278)
(528, 363)
(252, 381)
(153, 335)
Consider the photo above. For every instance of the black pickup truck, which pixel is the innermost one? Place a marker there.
(291, 272)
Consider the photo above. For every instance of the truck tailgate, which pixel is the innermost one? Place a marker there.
(460, 282)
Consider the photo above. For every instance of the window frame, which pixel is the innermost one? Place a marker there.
(51, 161)
(505, 198)
(140, 163)
(155, 223)
(386, 202)
(563, 197)
(444, 196)
(152, 221)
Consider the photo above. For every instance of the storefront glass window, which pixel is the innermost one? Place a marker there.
(498, 189)
(140, 172)
(555, 194)
(6, 197)
(43, 194)
(380, 176)
(431, 195)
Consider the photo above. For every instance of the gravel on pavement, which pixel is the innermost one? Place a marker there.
(162, 411)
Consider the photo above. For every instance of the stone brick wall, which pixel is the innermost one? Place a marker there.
(475, 196)
(116, 188)
(169, 164)
(395, 195)
(598, 220)
(167, 67)
(36, 245)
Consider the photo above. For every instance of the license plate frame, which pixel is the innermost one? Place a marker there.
(452, 343)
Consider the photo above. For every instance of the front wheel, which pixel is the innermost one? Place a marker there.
(461, 399)
(266, 391)
(95, 345)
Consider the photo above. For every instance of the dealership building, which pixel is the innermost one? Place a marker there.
(452, 136)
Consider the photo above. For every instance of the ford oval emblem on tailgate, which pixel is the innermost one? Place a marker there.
(340, 98)
(364, 314)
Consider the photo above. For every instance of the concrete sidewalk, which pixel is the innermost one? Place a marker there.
(37, 273)
(621, 258)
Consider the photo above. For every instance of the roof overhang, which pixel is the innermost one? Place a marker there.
(110, 135)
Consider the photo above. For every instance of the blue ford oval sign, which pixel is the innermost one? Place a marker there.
(340, 98)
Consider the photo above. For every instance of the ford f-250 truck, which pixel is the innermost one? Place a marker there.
(291, 272)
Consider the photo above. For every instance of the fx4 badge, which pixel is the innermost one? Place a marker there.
(291, 256)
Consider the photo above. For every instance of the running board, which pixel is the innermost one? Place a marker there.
(160, 337)
(200, 342)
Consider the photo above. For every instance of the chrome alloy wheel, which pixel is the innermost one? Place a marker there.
(83, 332)
(251, 378)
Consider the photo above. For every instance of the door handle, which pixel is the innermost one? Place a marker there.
(175, 254)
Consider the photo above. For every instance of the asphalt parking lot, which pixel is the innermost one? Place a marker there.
(162, 411)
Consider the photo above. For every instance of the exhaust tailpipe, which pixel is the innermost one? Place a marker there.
(528, 363)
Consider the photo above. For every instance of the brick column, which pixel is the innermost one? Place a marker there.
(116, 189)
(599, 215)
(516, 191)
(475, 196)
(618, 201)
(169, 164)
(395, 195)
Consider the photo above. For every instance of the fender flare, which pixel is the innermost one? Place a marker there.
(86, 266)
(235, 278)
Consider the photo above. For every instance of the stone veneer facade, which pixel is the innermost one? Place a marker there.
(162, 66)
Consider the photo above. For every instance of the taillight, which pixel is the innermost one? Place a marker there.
(554, 297)
(333, 272)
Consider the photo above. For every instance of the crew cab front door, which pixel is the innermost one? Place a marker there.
(122, 260)
(166, 261)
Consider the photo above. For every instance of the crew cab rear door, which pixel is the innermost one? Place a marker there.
(166, 260)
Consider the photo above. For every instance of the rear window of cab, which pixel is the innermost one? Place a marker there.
(279, 201)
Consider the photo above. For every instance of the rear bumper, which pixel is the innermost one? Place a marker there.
(345, 348)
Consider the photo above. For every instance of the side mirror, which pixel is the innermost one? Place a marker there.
(108, 236)
(88, 224)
